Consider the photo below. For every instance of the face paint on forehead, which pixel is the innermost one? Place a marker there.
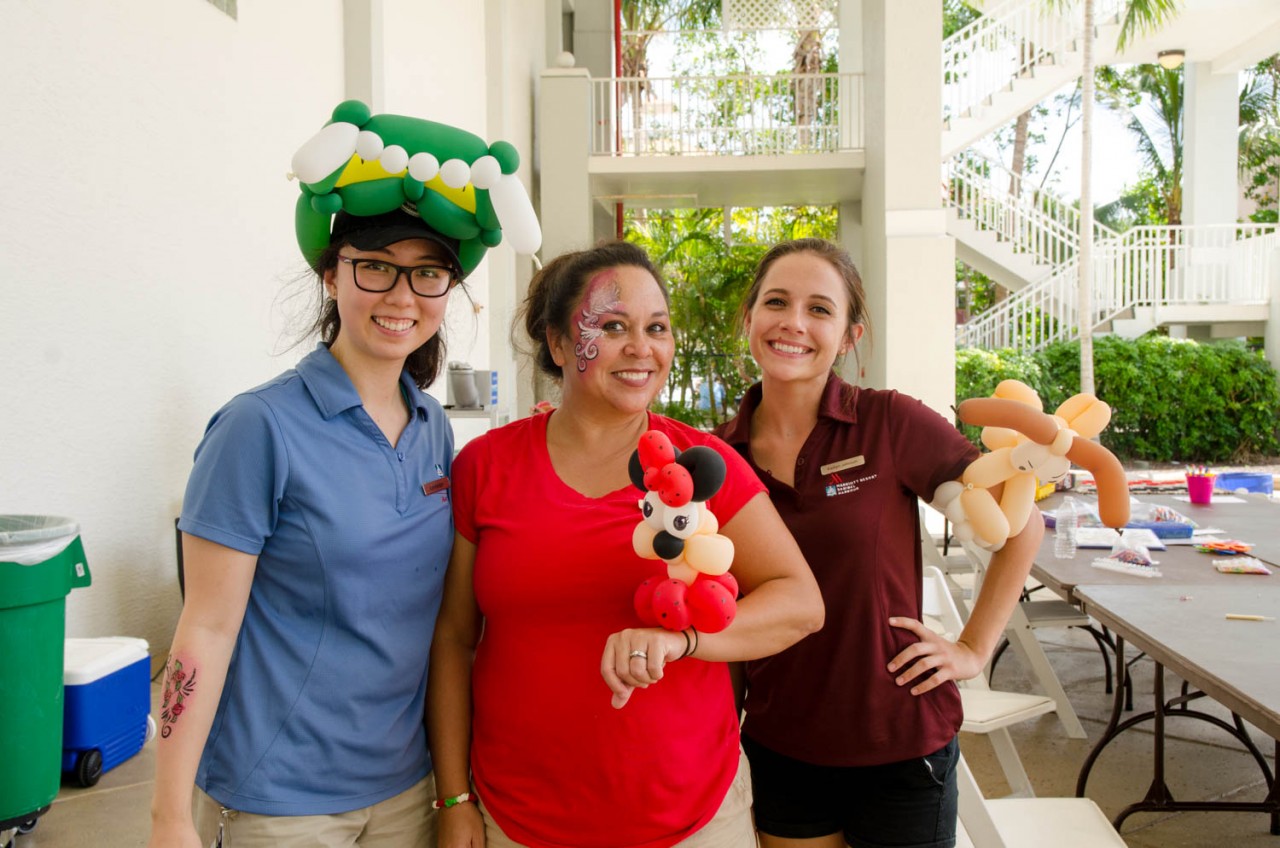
(602, 296)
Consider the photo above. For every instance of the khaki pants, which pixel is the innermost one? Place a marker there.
(730, 828)
(403, 821)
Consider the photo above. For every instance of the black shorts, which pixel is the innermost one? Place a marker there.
(911, 803)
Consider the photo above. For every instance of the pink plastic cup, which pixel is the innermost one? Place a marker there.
(1200, 488)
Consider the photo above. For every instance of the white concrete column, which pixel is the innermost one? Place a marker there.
(554, 21)
(908, 261)
(593, 26)
(850, 237)
(849, 20)
(564, 152)
(564, 139)
(1271, 339)
(1211, 118)
(850, 60)
(362, 52)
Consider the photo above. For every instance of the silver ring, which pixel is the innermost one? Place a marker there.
(641, 654)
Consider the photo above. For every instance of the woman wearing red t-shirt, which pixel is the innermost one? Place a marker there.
(574, 725)
(851, 733)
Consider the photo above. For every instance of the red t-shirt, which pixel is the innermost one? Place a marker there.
(555, 573)
(830, 699)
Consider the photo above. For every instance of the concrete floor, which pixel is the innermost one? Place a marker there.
(1203, 763)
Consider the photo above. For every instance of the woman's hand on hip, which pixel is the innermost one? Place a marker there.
(634, 659)
(946, 659)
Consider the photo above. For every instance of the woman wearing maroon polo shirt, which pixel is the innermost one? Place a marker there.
(851, 732)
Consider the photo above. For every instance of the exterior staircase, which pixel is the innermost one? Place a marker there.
(1002, 64)
(1013, 232)
(1014, 56)
(1144, 278)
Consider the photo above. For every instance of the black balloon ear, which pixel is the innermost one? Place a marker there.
(634, 471)
(707, 469)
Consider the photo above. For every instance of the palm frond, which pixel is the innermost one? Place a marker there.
(1142, 16)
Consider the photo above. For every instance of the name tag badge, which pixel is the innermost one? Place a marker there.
(434, 486)
(851, 462)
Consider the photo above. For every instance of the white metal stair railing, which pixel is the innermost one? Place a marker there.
(1004, 45)
(1152, 266)
(1032, 221)
(762, 114)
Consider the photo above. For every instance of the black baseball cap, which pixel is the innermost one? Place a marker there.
(374, 232)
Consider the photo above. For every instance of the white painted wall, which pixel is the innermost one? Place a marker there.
(148, 239)
(435, 69)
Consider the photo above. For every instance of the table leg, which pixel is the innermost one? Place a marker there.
(1158, 797)
(1113, 725)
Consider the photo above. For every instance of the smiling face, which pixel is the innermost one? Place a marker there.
(619, 346)
(383, 328)
(799, 322)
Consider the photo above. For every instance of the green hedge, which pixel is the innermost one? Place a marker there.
(1173, 400)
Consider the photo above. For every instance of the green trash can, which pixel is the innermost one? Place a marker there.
(41, 560)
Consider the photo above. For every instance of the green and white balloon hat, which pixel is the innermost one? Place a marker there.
(461, 186)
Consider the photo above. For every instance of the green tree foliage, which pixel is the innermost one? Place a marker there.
(1152, 97)
(1172, 400)
(708, 276)
(1260, 139)
(1139, 204)
(975, 291)
(643, 19)
(956, 15)
(979, 371)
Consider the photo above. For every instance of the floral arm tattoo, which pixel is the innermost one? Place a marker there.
(179, 685)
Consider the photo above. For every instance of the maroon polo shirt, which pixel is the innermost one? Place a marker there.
(830, 699)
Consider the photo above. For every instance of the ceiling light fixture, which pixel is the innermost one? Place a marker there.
(1171, 59)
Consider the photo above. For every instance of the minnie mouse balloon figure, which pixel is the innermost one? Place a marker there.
(697, 589)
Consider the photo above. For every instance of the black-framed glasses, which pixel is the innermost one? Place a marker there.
(378, 275)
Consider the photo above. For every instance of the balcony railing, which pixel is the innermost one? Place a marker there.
(742, 114)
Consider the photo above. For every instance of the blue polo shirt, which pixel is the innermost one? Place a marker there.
(322, 711)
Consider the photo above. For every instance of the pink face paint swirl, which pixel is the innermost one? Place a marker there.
(601, 299)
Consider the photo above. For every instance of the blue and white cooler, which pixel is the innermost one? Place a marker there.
(107, 718)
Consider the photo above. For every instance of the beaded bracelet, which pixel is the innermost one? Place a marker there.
(454, 801)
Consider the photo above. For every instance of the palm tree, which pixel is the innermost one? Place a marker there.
(1139, 15)
(1158, 93)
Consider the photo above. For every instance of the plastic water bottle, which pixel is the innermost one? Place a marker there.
(1064, 534)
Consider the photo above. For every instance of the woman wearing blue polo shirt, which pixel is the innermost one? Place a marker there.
(316, 528)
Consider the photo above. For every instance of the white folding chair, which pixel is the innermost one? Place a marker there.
(1027, 616)
(959, 571)
(1028, 822)
(986, 711)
